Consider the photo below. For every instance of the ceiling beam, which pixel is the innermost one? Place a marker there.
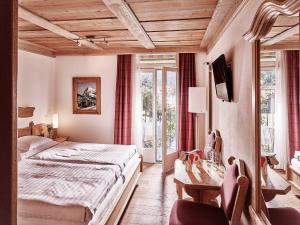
(284, 46)
(41, 22)
(35, 48)
(134, 50)
(127, 17)
(285, 34)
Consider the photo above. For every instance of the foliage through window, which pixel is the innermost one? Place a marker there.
(267, 103)
(152, 85)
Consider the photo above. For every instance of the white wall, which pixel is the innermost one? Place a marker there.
(202, 81)
(35, 85)
(86, 128)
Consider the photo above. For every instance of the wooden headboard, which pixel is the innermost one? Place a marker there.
(26, 131)
(34, 130)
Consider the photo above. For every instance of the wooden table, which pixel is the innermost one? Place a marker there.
(202, 184)
(273, 184)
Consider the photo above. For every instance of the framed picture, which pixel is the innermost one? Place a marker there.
(86, 95)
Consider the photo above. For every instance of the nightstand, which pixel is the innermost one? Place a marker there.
(61, 139)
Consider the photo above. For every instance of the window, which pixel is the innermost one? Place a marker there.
(267, 101)
(158, 75)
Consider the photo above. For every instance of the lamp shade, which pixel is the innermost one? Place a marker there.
(197, 100)
(55, 120)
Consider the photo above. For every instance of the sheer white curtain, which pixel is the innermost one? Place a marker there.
(281, 145)
(137, 128)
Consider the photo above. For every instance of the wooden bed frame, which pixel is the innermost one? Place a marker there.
(293, 175)
(117, 207)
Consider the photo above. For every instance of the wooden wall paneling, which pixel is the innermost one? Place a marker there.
(275, 31)
(41, 22)
(163, 10)
(282, 46)
(90, 24)
(36, 34)
(177, 43)
(163, 5)
(24, 25)
(169, 14)
(8, 112)
(68, 10)
(283, 35)
(180, 24)
(109, 35)
(35, 48)
(127, 17)
(286, 21)
(133, 50)
(183, 35)
(224, 14)
(190, 24)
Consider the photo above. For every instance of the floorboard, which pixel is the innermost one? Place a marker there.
(291, 199)
(152, 200)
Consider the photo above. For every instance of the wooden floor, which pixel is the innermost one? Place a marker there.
(291, 199)
(152, 200)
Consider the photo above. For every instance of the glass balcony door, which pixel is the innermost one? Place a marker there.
(169, 118)
(159, 112)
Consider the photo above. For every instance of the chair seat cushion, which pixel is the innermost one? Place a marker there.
(284, 216)
(192, 213)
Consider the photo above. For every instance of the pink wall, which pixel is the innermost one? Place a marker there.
(234, 119)
(89, 128)
(35, 85)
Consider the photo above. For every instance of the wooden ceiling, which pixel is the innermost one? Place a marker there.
(169, 25)
(284, 34)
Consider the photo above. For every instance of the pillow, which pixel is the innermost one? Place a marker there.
(229, 190)
(31, 145)
(297, 154)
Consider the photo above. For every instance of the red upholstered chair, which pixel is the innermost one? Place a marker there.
(280, 216)
(233, 195)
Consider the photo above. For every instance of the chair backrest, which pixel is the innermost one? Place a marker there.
(234, 191)
(264, 210)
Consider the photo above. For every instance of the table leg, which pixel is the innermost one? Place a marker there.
(179, 191)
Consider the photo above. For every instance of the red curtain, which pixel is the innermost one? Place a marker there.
(122, 134)
(187, 78)
(292, 73)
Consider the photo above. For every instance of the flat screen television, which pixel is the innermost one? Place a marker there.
(223, 78)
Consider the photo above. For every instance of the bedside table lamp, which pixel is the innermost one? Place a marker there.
(197, 105)
(55, 125)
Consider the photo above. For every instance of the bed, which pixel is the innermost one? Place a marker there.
(77, 183)
(293, 171)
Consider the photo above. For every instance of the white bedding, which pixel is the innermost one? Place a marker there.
(76, 214)
(65, 183)
(88, 153)
(296, 163)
